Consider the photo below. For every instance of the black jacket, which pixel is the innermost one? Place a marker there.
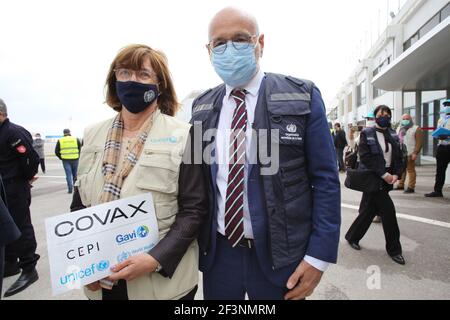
(18, 159)
(340, 141)
(8, 229)
(371, 154)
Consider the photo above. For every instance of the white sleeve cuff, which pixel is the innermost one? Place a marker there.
(384, 175)
(316, 263)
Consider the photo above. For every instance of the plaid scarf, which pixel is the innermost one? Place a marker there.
(114, 180)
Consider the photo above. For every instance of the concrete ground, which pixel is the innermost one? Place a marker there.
(365, 274)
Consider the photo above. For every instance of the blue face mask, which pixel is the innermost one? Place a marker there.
(405, 122)
(383, 122)
(446, 110)
(235, 67)
(136, 96)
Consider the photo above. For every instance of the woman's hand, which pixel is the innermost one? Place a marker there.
(388, 178)
(394, 179)
(134, 267)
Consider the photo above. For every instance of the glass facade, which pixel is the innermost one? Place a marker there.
(430, 111)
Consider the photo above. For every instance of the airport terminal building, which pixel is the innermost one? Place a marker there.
(407, 68)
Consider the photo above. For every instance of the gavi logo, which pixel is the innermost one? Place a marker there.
(140, 232)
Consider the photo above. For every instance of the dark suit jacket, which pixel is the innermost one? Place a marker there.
(8, 229)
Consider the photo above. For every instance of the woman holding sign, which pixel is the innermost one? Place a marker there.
(139, 151)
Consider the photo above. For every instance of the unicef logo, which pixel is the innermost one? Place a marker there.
(142, 231)
(291, 128)
(149, 96)
(123, 256)
(103, 265)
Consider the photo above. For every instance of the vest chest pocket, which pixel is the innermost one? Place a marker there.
(88, 158)
(288, 117)
(158, 171)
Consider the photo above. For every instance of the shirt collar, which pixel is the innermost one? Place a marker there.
(252, 87)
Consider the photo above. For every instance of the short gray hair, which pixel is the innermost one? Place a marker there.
(3, 109)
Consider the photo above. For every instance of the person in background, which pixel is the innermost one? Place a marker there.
(68, 150)
(411, 135)
(355, 134)
(355, 131)
(38, 145)
(18, 167)
(379, 151)
(442, 153)
(340, 142)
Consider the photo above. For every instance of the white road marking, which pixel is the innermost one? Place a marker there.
(407, 217)
(61, 177)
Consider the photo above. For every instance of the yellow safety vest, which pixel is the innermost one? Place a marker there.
(69, 148)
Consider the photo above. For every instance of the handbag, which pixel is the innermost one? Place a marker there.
(351, 158)
(363, 180)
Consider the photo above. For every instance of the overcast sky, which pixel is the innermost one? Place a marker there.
(54, 55)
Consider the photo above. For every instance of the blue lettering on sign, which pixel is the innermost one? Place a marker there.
(140, 232)
(124, 238)
(84, 273)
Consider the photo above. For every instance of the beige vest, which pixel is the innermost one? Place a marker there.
(410, 139)
(157, 172)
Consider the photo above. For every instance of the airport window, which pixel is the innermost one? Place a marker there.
(410, 41)
(378, 92)
(433, 22)
(385, 62)
(361, 94)
(445, 12)
(429, 25)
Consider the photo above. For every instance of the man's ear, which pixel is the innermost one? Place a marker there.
(261, 43)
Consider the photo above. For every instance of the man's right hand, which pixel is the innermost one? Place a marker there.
(94, 286)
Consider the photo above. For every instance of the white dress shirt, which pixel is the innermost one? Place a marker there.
(222, 156)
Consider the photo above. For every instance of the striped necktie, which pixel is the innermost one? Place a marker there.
(234, 204)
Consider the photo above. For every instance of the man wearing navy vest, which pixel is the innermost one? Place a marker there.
(274, 192)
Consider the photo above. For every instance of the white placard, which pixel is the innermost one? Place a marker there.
(84, 245)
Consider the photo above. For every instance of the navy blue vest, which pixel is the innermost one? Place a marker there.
(280, 203)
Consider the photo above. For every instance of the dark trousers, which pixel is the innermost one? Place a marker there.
(372, 204)
(21, 252)
(42, 163)
(235, 272)
(70, 168)
(442, 161)
(340, 157)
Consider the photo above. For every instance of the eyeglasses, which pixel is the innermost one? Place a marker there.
(239, 42)
(145, 76)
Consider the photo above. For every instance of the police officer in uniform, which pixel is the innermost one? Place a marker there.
(68, 150)
(18, 165)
